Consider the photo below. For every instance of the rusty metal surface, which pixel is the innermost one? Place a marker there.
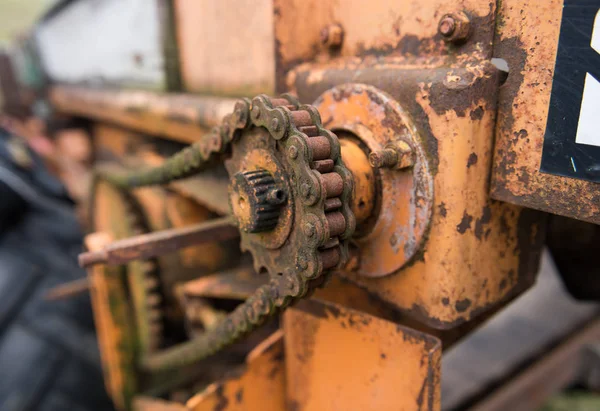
(133, 150)
(404, 197)
(143, 403)
(161, 242)
(226, 47)
(260, 385)
(116, 333)
(339, 359)
(478, 252)
(385, 28)
(180, 117)
(68, 290)
(527, 38)
(238, 283)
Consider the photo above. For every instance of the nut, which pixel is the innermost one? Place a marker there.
(332, 36)
(455, 27)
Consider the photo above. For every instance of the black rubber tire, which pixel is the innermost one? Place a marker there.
(49, 359)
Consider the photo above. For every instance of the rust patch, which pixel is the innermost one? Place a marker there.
(462, 305)
(472, 160)
(465, 223)
(477, 114)
(222, 400)
(480, 223)
(442, 209)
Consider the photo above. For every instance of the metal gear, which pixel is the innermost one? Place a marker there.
(301, 169)
(143, 276)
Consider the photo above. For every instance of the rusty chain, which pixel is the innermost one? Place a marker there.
(324, 222)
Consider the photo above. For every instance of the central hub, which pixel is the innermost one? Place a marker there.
(256, 200)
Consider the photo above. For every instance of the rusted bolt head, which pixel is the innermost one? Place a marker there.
(447, 26)
(255, 112)
(293, 152)
(332, 36)
(455, 27)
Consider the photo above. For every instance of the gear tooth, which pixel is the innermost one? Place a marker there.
(257, 200)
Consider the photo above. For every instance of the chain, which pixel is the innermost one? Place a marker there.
(193, 159)
(323, 225)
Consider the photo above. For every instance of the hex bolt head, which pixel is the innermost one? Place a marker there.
(455, 27)
(332, 36)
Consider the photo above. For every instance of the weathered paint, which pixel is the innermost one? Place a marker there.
(226, 46)
(478, 252)
(112, 316)
(340, 359)
(527, 38)
(398, 228)
(180, 117)
(385, 28)
(259, 386)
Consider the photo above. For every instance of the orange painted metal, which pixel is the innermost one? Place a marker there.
(259, 386)
(381, 28)
(179, 117)
(340, 359)
(404, 198)
(477, 252)
(522, 114)
(226, 46)
(113, 324)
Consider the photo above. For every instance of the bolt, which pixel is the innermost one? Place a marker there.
(275, 124)
(447, 26)
(305, 190)
(455, 27)
(255, 112)
(398, 156)
(332, 36)
(293, 152)
(309, 229)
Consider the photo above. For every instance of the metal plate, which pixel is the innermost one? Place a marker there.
(571, 142)
(406, 195)
(340, 359)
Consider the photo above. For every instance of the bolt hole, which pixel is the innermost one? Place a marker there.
(501, 65)
(242, 203)
(361, 204)
(279, 195)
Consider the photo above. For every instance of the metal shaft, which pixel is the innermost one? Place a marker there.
(161, 242)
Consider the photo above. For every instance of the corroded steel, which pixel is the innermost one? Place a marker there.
(160, 242)
(119, 214)
(522, 114)
(180, 117)
(261, 385)
(405, 197)
(112, 317)
(478, 252)
(340, 359)
(68, 290)
(321, 236)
